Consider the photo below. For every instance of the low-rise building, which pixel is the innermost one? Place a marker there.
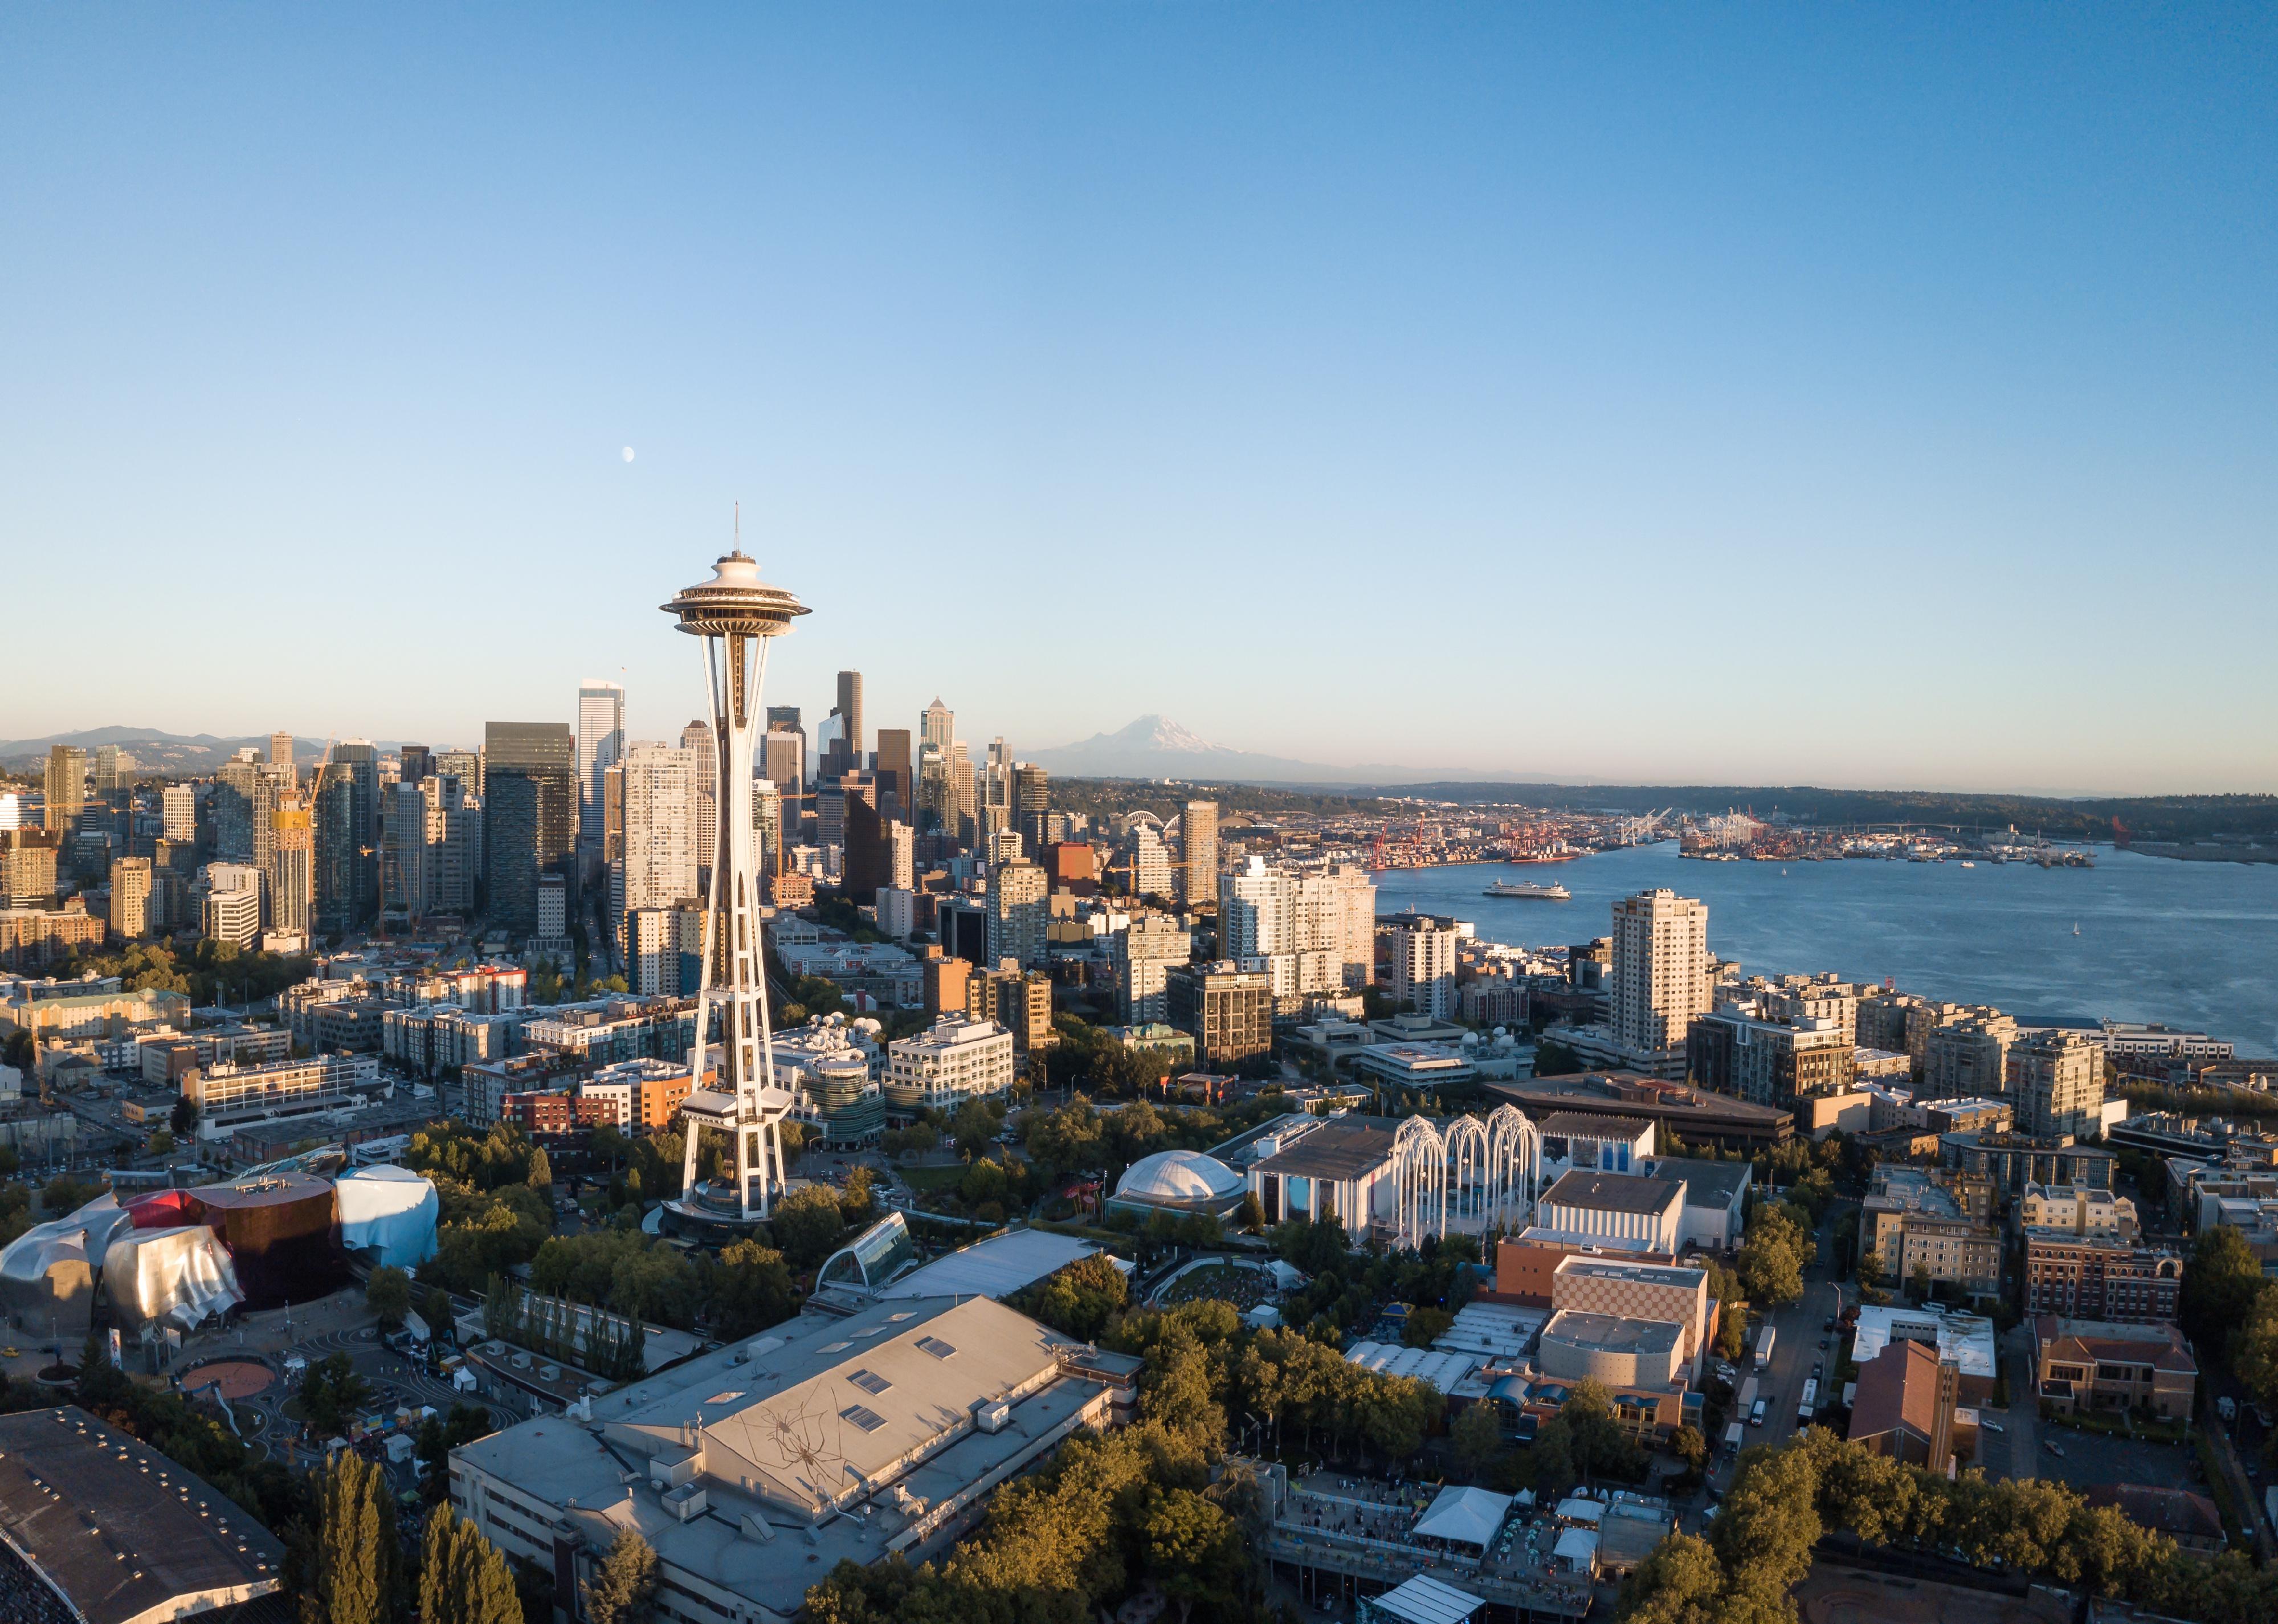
(1340, 1168)
(757, 1468)
(1578, 1140)
(1966, 1341)
(1694, 1115)
(2099, 1276)
(1904, 1407)
(1715, 1199)
(1920, 1221)
(227, 1096)
(2084, 1364)
(2012, 1160)
(1616, 1206)
(952, 1061)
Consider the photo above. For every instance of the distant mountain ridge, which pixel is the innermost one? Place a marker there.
(153, 750)
(1155, 747)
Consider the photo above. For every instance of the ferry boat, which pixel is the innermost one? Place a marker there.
(1529, 889)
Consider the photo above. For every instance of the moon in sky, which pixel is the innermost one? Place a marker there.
(629, 454)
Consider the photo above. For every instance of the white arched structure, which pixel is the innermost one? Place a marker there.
(1465, 1175)
(1515, 1157)
(1419, 1183)
(1470, 1180)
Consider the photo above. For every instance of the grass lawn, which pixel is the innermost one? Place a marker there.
(932, 1178)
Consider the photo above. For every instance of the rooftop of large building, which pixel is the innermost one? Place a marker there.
(817, 1416)
(1338, 1149)
(1898, 1388)
(1607, 1333)
(1707, 1184)
(122, 1531)
(1612, 1192)
(1587, 1125)
(1672, 1275)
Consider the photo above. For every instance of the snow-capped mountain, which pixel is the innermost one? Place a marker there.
(1155, 747)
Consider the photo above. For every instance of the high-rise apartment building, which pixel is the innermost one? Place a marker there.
(178, 813)
(1227, 1009)
(1662, 976)
(530, 816)
(334, 880)
(413, 763)
(280, 753)
(1019, 912)
(660, 813)
(698, 738)
(66, 787)
(1032, 806)
(233, 904)
(404, 851)
(1149, 862)
(601, 745)
(455, 859)
(1422, 962)
(27, 867)
(130, 897)
(244, 805)
(362, 760)
(964, 794)
(114, 770)
(869, 854)
(465, 765)
(2056, 1084)
(293, 870)
(1308, 926)
(1146, 951)
(783, 753)
(1198, 860)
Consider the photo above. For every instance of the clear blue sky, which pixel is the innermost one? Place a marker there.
(1853, 395)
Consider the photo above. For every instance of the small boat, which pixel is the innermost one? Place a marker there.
(1528, 889)
(2075, 930)
(1967, 863)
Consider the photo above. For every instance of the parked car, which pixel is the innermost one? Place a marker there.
(2054, 1448)
(1991, 1426)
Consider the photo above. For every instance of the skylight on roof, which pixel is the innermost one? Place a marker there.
(863, 1416)
(936, 1346)
(837, 1347)
(870, 1380)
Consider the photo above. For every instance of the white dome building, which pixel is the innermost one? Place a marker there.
(1179, 1180)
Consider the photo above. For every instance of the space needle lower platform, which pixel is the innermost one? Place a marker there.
(737, 1096)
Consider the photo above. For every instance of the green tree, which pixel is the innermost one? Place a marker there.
(1689, 1447)
(184, 1118)
(331, 1391)
(438, 1438)
(1732, 1331)
(1476, 1436)
(1920, 1284)
(2222, 1279)
(463, 1577)
(623, 1589)
(1680, 1582)
(1771, 1259)
(1080, 1298)
(387, 1293)
(540, 1175)
(1193, 1549)
(807, 1225)
(748, 1288)
(352, 1575)
(2255, 1345)
(435, 1308)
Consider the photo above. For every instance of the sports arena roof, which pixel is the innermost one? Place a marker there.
(995, 1267)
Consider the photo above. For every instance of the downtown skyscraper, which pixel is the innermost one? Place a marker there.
(601, 745)
(530, 815)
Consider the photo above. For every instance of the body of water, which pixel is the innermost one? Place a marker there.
(2192, 944)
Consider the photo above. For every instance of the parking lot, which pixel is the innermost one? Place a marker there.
(2094, 1457)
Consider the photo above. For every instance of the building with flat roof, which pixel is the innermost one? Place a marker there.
(2099, 1276)
(1615, 1205)
(102, 1529)
(952, 1061)
(1916, 1222)
(2012, 1160)
(753, 1470)
(1580, 1140)
(1626, 1289)
(1340, 1168)
(1694, 1115)
(1715, 1199)
(1964, 1340)
(1602, 1347)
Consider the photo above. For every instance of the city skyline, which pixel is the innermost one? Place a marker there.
(1775, 358)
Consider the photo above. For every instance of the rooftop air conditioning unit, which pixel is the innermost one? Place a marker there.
(993, 1414)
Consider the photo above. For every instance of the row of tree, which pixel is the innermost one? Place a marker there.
(1784, 1501)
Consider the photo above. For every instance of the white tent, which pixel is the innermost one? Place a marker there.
(1419, 1600)
(1578, 1550)
(1464, 1516)
(1580, 1510)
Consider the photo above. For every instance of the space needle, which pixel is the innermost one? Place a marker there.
(734, 615)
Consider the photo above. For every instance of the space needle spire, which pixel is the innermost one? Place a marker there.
(734, 616)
